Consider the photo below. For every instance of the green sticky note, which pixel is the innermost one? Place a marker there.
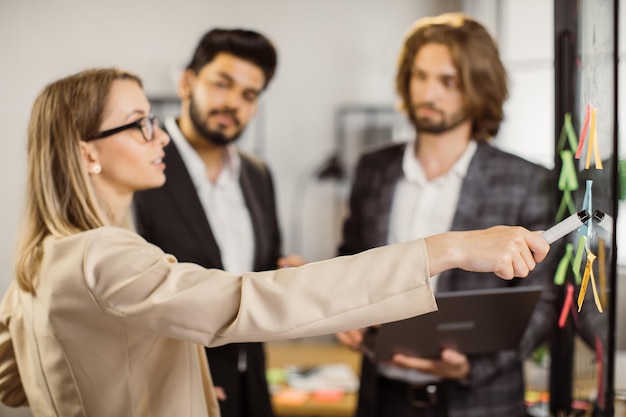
(578, 259)
(561, 270)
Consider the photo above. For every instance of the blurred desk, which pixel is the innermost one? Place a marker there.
(308, 354)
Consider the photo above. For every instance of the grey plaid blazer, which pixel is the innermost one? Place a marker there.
(499, 188)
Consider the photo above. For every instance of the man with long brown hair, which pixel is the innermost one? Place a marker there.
(452, 85)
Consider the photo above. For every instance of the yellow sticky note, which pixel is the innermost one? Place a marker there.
(583, 289)
(593, 146)
(595, 290)
(602, 270)
(586, 276)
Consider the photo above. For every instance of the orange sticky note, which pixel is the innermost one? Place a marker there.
(596, 148)
(592, 138)
(586, 276)
(593, 144)
(595, 290)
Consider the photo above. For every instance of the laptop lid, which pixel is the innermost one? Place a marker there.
(472, 322)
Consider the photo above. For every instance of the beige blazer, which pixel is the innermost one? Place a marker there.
(116, 324)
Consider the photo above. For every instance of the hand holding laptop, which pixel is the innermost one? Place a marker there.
(468, 322)
(450, 365)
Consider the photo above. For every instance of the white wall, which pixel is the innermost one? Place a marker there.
(525, 35)
(330, 53)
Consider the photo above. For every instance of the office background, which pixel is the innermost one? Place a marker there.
(332, 53)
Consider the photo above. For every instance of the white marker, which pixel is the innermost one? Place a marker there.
(566, 226)
(603, 220)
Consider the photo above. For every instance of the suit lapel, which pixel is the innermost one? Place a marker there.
(185, 198)
(248, 187)
(473, 191)
(393, 173)
(468, 207)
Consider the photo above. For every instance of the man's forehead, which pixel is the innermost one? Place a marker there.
(236, 69)
(434, 59)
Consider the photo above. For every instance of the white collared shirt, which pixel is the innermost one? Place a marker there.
(223, 203)
(422, 208)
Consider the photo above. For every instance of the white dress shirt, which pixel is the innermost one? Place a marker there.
(422, 208)
(223, 203)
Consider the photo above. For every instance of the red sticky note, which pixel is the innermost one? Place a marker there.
(566, 305)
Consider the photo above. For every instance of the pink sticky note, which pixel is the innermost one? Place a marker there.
(583, 132)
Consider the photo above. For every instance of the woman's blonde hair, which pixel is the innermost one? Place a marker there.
(476, 58)
(60, 200)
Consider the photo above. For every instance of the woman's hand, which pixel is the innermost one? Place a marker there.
(291, 260)
(507, 251)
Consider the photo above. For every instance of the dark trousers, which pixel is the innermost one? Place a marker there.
(399, 399)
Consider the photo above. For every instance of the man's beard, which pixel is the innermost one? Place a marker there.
(201, 126)
(426, 125)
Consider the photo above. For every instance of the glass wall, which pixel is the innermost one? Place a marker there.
(583, 350)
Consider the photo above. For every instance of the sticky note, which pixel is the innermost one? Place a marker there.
(593, 147)
(583, 133)
(578, 258)
(561, 270)
(583, 287)
(569, 297)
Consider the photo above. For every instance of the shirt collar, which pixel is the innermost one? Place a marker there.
(193, 162)
(412, 169)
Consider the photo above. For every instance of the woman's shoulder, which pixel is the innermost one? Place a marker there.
(111, 253)
(111, 232)
(103, 243)
(104, 235)
(110, 239)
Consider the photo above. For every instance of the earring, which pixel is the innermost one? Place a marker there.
(96, 169)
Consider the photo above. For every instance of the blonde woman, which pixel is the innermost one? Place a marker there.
(100, 323)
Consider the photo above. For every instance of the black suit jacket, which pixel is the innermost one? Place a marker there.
(499, 188)
(172, 217)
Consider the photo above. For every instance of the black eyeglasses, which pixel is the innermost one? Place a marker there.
(145, 124)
